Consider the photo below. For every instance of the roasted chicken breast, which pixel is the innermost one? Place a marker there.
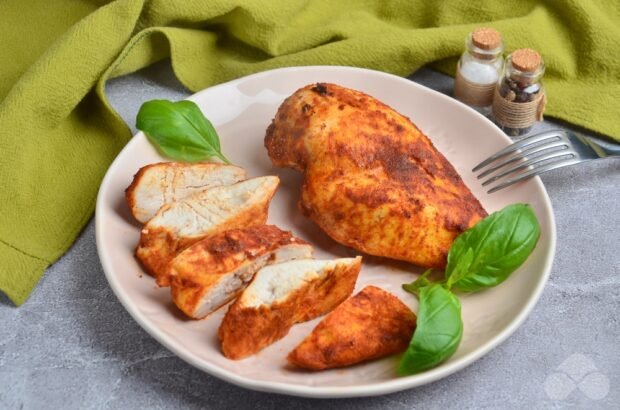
(180, 224)
(282, 295)
(372, 324)
(156, 185)
(372, 179)
(213, 271)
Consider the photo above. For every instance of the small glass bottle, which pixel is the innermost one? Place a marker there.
(520, 99)
(479, 69)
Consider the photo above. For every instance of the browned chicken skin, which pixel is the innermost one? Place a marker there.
(372, 324)
(216, 269)
(306, 289)
(373, 180)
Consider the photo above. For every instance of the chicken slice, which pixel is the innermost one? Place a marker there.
(180, 224)
(282, 295)
(158, 184)
(213, 271)
(372, 324)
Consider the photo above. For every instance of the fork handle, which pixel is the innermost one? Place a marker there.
(603, 148)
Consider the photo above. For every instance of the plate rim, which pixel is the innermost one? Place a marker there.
(374, 389)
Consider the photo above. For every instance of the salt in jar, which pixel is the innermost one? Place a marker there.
(479, 69)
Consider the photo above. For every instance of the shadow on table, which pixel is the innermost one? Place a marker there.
(4, 300)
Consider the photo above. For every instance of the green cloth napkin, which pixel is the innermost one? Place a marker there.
(58, 134)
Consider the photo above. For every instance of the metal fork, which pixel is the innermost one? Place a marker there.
(540, 153)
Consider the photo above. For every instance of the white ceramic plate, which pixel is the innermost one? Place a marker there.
(241, 110)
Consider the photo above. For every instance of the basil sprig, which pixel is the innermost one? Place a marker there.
(179, 130)
(480, 258)
(422, 281)
(439, 329)
(484, 256)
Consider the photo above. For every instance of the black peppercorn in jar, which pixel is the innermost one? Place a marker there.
(520, 97)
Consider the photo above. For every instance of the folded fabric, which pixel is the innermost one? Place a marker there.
(58, 134)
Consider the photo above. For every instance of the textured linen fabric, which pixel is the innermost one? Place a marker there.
(58, 134)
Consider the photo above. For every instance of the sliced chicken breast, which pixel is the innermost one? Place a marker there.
(372, 324)
(213, 271)
(180, 224)
(282, 295)
(156, 185)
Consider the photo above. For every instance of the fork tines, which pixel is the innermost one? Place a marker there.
(529, 157)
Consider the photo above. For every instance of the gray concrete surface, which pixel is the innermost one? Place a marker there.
(73, 346)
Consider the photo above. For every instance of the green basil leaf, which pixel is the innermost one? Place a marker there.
(461, 268)
(415, 286)
(438, 332)
(179, 130)
(486, 254)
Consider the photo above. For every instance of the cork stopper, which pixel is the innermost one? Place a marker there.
(486, 38)
(526, 60)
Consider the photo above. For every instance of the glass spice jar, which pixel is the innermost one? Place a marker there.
(520, 97)
(479, 69)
